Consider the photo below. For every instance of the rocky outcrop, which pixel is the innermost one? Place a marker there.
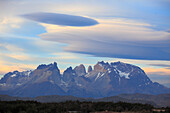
(80, 70)
(89, 69)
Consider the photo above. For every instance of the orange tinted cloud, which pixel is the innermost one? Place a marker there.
(160, 71)
(4, 68)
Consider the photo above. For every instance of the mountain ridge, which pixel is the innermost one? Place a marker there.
(103, 80)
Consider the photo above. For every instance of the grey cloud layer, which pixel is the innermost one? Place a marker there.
(118, 49)
(116, 41)
(61, 19)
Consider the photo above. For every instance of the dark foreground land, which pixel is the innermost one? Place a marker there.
(75, 107)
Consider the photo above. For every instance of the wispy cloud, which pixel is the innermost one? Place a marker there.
(161, 65)
(11, 48)
(9, 23)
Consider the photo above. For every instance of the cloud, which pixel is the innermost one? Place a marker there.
(115, 38)
(152, 11)
(6, 67)
(157, 71)
(165, 79)
(123, 37)
(160, 75)
(32, 52)
(161, 65)
(11, 48)
(141, 63)
(9, 23)
(61, 19)
(65, 56)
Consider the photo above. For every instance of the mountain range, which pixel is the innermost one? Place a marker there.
(103, 80)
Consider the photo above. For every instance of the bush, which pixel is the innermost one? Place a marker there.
(63, 107)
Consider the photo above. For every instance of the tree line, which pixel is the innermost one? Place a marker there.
(76, 106)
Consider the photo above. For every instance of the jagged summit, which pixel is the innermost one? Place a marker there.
(105, 79)
(43, 66)
(80, 70)
(89, 69)
(68, 69)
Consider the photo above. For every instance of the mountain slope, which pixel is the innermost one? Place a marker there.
(102, 80)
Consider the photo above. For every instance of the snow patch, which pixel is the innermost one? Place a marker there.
(88, 75)
(109, 70)
(19, 84)
(114, 66)
(14, 75)
(28, 74)
(100, 65)
(102, 75)
(147, 83)
(99, 75)
(79, 84)
(123, 74)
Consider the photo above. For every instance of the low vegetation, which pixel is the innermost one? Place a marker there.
(73, 106)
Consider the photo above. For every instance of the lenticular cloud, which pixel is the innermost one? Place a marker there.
(61, 19)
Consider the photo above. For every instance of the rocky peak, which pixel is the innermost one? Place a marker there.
(69, 74)
(68, 70)
(80, 70)
(117, 63)
(49, 66)
(101, 66)
(42, 66)
(134, 73)
(53, 67)
(89, 69)
(15, 72)
(44, 72)
(123, 67)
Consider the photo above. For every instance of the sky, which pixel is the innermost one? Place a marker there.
(73, 32)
